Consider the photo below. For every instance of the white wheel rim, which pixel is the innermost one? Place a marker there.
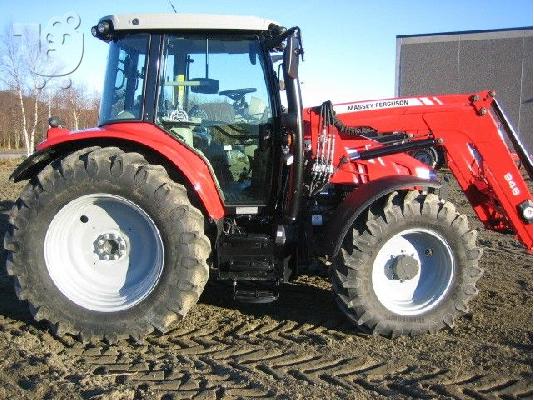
(103, 252)
(431, 282)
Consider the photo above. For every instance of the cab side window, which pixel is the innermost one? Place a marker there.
(214, 99)
(124, 84)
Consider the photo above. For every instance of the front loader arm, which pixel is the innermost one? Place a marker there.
(480, 160)
(475, 136)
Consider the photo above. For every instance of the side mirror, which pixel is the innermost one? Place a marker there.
(55, 122)
(291, 57)
(205, 86)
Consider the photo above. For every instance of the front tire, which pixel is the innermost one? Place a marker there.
(411, 267)
(104, 245)
(431, 156)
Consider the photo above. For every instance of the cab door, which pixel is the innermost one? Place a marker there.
(214, 98)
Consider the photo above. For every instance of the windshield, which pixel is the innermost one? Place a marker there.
(122, 98)
(214, 98)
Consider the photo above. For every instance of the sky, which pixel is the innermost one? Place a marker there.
(350, 46)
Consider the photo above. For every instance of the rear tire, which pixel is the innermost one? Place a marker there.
(144, 271)
(411, 267)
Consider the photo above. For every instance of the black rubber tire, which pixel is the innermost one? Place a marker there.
(429, 156)
(108, 170)
(351, 272)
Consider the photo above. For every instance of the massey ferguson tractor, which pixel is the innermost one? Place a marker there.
(206, 165)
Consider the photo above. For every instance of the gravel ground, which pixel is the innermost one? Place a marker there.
(297, 348)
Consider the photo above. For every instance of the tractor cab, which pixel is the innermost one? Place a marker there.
(209, 82)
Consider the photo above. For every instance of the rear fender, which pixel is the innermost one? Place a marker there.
(142, 137)
(360, 199)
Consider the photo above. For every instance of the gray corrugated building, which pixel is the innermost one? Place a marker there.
(464, 62)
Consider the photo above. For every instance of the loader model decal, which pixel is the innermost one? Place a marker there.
(513, 186)
(387, 103)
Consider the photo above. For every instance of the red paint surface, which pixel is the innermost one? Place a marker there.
(457, 121)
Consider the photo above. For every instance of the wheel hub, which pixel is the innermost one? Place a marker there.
(110, 246)
(413, 271)
(403, 268)
(104, 252)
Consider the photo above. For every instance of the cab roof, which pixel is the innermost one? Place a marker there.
(187, 22)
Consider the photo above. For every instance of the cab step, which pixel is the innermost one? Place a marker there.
(255, 292)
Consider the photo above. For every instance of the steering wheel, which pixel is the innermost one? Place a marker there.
(237, 94)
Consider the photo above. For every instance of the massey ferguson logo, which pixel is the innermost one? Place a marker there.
(378, 105)
(388, 103)
(510, 179)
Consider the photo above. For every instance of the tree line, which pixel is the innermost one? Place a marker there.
(30, 94)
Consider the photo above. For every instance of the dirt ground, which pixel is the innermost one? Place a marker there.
(297, 348)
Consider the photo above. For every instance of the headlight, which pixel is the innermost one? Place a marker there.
(526, 210)
(103, 27)
(103, 30)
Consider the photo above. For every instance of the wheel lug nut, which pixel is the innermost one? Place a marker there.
(110, 246)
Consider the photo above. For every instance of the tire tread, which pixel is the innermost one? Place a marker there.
(112, 163)
(396, 207)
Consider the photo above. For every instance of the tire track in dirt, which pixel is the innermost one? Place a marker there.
(233, 364)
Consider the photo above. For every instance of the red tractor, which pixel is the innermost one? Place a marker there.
(198, 170)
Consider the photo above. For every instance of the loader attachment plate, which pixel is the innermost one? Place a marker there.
(514, 138)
